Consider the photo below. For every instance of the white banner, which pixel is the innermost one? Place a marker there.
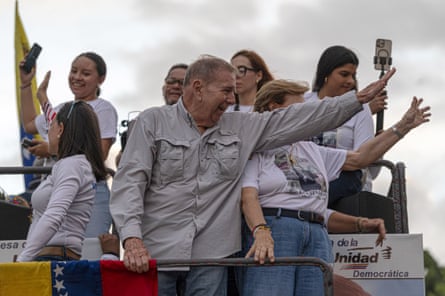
(9, 249)
(395, 268)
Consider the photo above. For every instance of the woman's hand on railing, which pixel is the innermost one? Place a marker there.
(262, 247)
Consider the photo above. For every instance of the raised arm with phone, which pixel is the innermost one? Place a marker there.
(88, 72)
(31, 58)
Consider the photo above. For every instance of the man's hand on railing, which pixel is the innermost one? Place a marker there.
(136, 256)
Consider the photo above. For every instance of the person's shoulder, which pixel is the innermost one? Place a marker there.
(155, 110)
(101, 103)
(73, 159)
(72, 163)
(60, 105)
(158, 114)
(310, 95)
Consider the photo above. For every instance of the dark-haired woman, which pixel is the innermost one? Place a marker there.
(336, 75)
(63, 202)
(88, 72)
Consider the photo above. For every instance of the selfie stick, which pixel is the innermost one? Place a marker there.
(378, 60)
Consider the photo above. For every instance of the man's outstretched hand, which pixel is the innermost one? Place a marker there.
(374, 88)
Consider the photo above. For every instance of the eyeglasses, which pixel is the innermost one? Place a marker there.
(171, 81)
(242, 70)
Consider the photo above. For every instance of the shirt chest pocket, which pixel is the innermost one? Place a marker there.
(171, 159)
(223, 157)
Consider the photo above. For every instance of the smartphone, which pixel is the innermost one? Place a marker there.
(382, 58)
(26, 143)
(31, 58)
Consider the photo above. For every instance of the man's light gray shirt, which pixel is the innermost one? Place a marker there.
(180, 190)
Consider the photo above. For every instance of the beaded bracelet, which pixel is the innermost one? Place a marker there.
(261, 226)
(256, 226)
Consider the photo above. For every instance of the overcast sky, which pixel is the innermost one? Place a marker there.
(140, 39)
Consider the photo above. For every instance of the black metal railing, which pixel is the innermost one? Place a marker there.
(397, 192)
(328, 278)
(279, 261)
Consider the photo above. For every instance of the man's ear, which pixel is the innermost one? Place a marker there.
(197, 86)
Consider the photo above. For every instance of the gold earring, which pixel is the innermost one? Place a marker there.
(326, 80)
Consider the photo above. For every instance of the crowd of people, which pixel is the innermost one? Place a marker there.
(197, 179)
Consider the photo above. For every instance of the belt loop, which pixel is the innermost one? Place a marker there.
(279, 213)
(64, 252)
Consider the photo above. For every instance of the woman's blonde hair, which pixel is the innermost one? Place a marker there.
(275, 90)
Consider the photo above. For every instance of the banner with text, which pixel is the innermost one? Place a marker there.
(395, 268)
(10, 249)
(361, 267)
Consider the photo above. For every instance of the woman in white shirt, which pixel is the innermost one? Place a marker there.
(88, 72)
(285, 197)
(336, 75)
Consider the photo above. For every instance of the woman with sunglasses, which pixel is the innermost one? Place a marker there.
(88, 72)
(63, 202)
(252, 74)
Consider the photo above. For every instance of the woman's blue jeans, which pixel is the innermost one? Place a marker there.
(100, 221)
(292, 237)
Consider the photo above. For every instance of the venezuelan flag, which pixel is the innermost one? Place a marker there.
(86, 278)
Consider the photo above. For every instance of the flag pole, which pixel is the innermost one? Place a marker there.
(21, 46)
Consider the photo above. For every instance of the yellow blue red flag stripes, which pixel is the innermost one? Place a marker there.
(86, 278)
(21, 46)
